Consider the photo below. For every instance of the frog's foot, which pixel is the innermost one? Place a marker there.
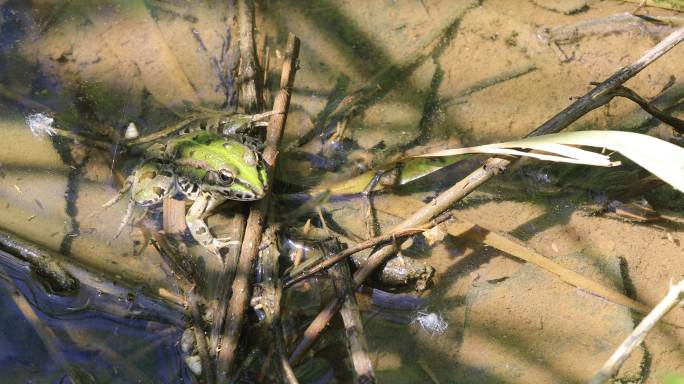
(215, 245)
(119, 195)
(126, 219)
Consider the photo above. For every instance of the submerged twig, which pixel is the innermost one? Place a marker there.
(257, 216)
(42, 261)
(271, 296)
(611, 24)
(200, 339)
(353, 324)
(230, 262)
(674, 297)
(507, 75)
(597, 97)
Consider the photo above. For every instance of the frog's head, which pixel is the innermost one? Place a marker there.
(235, 171)
(226, 167)
(244, 181)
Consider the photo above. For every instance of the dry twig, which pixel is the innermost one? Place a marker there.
(230, 262)
(674, 297)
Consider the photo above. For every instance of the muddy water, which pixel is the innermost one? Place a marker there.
(500, 69)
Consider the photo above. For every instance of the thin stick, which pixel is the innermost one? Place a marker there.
(598, 96)
(327, 263)
(183, 273)
(674, 296)
(288, 372)
(200, 339)
(257, 217)
(353, 324)
(230, 262)
(79, 137)
(173, 216)
(164, 132)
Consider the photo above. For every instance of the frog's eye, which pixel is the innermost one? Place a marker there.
(226, 176)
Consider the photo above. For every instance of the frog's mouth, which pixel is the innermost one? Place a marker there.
(242, 191)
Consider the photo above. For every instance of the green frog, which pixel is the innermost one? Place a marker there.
(208, 168)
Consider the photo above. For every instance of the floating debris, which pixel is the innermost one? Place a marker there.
(432, 323)
(40, 124)
(131, 131)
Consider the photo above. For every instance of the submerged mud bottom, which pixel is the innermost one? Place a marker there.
(103, 334)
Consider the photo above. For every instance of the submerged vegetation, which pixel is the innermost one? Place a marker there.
(282, 162)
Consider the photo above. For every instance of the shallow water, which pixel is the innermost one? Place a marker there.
(422, 73)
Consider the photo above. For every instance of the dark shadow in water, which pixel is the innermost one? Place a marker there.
(104, 338)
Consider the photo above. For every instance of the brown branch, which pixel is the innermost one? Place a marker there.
(257, 217)
(597, 97)
(271, 298)
(174, 262)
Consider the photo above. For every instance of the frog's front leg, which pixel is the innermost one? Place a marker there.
(149, 184)
(204, 204)
(121, 193)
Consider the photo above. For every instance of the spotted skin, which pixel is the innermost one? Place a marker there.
(152, 181)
